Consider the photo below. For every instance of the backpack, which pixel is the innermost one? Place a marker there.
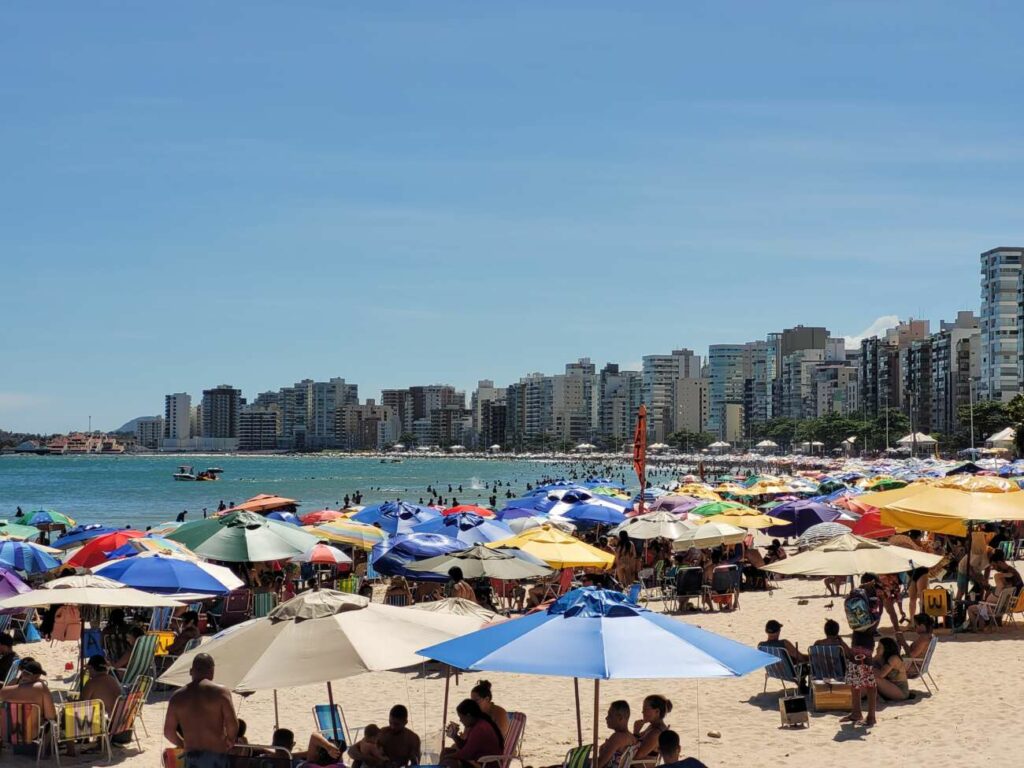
(862, 611)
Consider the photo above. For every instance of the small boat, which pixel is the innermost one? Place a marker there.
(210, 474)
(185, 472)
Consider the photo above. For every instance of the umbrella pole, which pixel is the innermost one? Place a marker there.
(579, 720)
(597, 707)
(444, 713)
(276, 724)
(334, 715)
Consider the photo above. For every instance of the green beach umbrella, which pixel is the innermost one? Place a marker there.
(17, 531)
(48, 517)
(241, 537)
(716, 508)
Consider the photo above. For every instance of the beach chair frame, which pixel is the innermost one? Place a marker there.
(922, 665)
(784, 670)
(24, 724)
(128, 708)
(79, 720)
(513, 743)
(142, 660)
(160, 620)
(828, 670)
(325, 724)
(689, 586)
(262, 604)
(577, 757)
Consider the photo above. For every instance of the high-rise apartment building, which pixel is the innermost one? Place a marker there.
(691, 406)
(728, 369)
(367, 426)
(222, 406)
(660, 374)
(259, 428)
(485, 393)
(620, 394)
(149, 431)
(400, 403)
(956, 369)
(177, 416)
(1002, 309)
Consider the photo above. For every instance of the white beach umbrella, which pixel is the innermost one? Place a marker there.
(87, 590)
(710, 535)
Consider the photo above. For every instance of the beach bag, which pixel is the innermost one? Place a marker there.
(861, 613)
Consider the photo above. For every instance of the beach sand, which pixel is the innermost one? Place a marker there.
(972, 717)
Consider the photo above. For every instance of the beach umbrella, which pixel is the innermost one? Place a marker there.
(718, 507)
(281, 516)
(151, 543)
(81, 534)
(598, 634)
(11, 584)
(654, 525)
(746, 518)
(467, 527)
(520, 524)
(392, 555)
(699, 490)
(870, 526)
(516, 513)
(594, 514)
(18, 531)
(26, 557)
(456, 606)
(709, 535)
(395, 517)
(323, 554)
(480, 562)
(474, 508)
(798, 516)
(322, 516)
(263, 503)
(243, 537)
(319, 636)
(166, 575)
(49, 517)
(819, 533)
(164, 528)
(850, 555)
(98, 550)
(557, 549)
(87, 590)
(348, 532)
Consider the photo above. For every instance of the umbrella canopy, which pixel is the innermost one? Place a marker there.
(11, 584)
(26, 557)
(322, 516)
(654, 525)
(557, 549)
(391, 556)
(747, 518)
(467, 527)
(870, 526)
(594, 514)
(595, 634)
(282, 516)
(349, 532)
(479, 562)
(49, 517)
(323, 554)
(18, 531)
(456, 606)
(798, 516)
(167, 575)
(152, 543)
(98, 550)
(718, 507)
(87, 590)
(699, 490)
(321, 636)
(262, 503)
(241, 537)
(850, 555)
(819, 533)
(82, 533)
(709, 535)
(395, 517)
(521, 524)
(475, 509)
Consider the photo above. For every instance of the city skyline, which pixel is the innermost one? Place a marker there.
(454, 192)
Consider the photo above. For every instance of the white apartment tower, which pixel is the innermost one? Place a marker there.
(1002, 345)
(178, 416)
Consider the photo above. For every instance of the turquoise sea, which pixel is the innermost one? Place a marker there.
(140, 490)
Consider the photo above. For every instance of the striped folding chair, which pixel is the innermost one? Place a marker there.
(23, 724)
(349, 584)
(398, 600)
(578, 757)
(128, 708)
(80, 721)
(160, 621)
(13, 672)
(262, 604)
(513, 743)
(5, 622)
(164, 640)
(141, 661)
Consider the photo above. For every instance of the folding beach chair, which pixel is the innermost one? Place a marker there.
(128, 708)
(80, 721)
(829, 690)
(160, 621)
(689, 586)
(23, 724)
(262, 604)
(783, 670)
(725, 587)
(234, 609)
(5, 621)
(399, 600)
(164, 640)
(23, 626)
(922, 665)
(142, 660)
(13, 672)
(1017, 607)
(578, 757)
(633, 595)
(513, 743)
(556, 589)
(349, 584)
(325, 724)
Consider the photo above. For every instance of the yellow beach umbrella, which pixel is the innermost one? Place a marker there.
(946, 510)
(733, 489)
(978, 484)
(748, 518)
(699, 490)
(557, 549)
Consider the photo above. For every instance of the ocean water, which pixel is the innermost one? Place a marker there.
(140, 490)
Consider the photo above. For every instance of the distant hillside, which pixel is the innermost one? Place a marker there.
(130, 426)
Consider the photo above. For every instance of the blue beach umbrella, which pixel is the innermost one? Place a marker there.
(392, 555)
(517, 513)
(26, 557)
(283, 516)
(167, 575)
(395, 517)
(594, 514)
(468, 528)
(598, 634)
(81, 534)
(800, 515)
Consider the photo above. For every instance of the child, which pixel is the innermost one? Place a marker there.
(860, 674)
(367, 750)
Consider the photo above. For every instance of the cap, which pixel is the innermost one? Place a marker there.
(772, 626)
(33, 667)
(868, 577)
(98, 662)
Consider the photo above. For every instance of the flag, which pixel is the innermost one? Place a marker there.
(640, 451)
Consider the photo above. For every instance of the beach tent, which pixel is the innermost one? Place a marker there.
(557, 549)
(243, 537)
(850, 555)
(598, 634)
(1003, 440)
(480, 562)
(585, 447)
(767, 445)
(720, 446)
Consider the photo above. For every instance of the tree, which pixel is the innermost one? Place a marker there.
(690, 441)
(990, 416)
(408, 439)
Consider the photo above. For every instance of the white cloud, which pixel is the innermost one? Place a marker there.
(877, 328)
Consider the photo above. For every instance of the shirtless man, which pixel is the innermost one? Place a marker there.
(459, 586)
(31, 689)
(201, 718)
(400, 745)
(102, 685)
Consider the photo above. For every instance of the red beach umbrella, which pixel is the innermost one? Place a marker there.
(482, 511)
(96, 550)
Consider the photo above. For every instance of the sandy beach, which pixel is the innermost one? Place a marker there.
(952, 727)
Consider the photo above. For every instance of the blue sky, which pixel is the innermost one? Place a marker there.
(401, 193)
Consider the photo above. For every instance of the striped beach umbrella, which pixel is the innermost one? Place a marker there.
(348, 532)
(49, 517)
(26, 557)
